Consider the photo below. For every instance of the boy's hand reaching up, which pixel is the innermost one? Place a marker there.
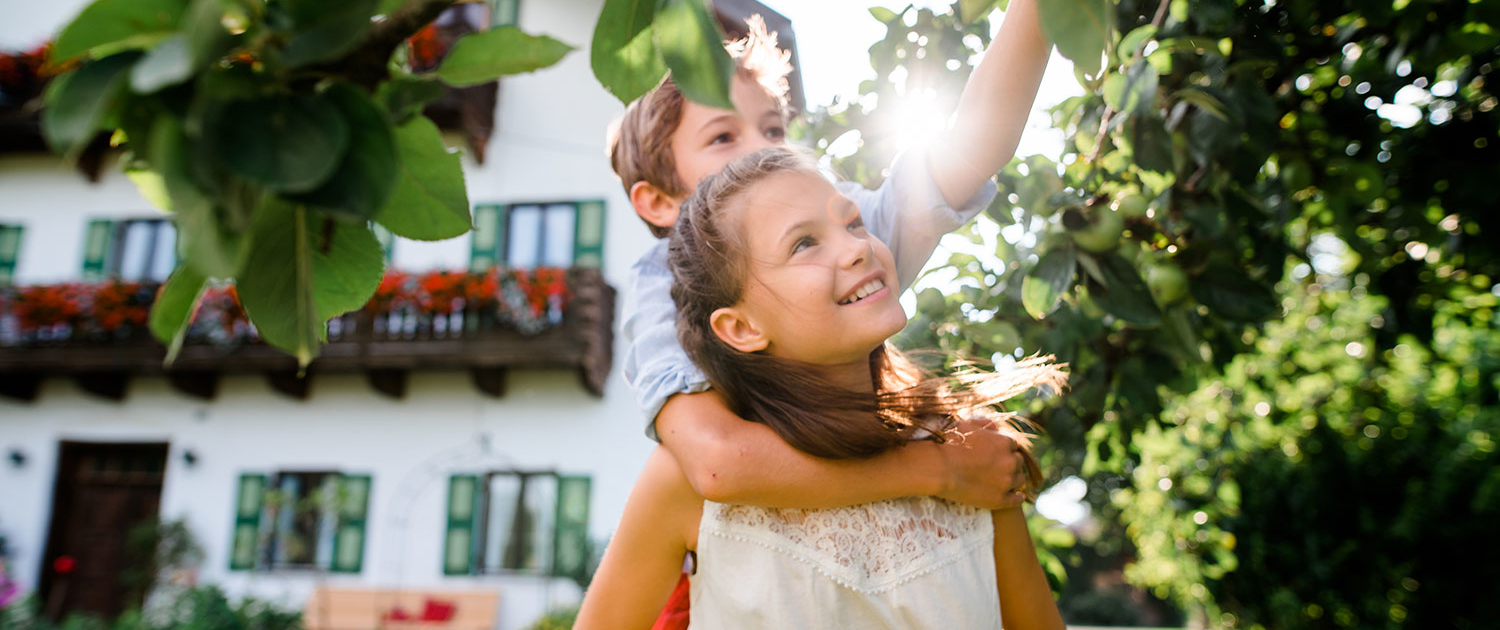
(984, 467)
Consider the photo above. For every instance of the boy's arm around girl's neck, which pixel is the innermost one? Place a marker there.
(730, 460)
(993, 109)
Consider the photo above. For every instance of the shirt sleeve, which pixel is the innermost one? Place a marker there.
(908, 212)
(656, 367)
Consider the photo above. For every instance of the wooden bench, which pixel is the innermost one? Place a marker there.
(403, 609)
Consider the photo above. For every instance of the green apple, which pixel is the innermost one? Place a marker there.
(1167, 283)
(1103, 231)
(1131, 205)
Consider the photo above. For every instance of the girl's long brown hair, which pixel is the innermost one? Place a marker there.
(709, 264)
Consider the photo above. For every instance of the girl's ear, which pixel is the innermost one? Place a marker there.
(733, 327)
(655, 206)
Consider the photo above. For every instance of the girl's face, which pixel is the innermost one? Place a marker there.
(819, 287)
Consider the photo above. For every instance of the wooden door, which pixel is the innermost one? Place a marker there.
(102, 492)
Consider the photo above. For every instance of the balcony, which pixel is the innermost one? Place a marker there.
(484, 323)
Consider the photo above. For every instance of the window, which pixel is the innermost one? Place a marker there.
(10, 249)
(300, 520)
(136, 249)
(529, 235)
(512, 521)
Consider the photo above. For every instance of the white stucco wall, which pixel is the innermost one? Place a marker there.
(548, 145)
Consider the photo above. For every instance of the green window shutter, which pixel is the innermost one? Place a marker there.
(506, 12)
(245, 543)
(10, 247)
(458, 543)
(588, 235)
(97, 242)
(570, 544)
(488, 244)
(387, 240)
(349, 534)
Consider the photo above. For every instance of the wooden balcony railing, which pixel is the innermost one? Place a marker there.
(385, 346)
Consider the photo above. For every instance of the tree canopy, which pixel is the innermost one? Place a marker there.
(1265, 253)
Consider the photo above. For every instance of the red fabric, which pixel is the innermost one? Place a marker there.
(674, 616)
(438, 610)
(398, 614)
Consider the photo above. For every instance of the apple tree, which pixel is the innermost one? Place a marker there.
(1263, 211)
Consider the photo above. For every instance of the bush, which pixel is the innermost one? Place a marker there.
(202, 608)
(557, 619)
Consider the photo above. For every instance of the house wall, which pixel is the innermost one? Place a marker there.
(548, 145)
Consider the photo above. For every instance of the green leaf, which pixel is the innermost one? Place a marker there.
(1151, 144)
(301, 272)
(623, 53)
(79, 101)
(1079, 28)
(288, 143)
(1122, 293)
(884, 15)
(1140, 89)
(1000, 210)
(1203, 100)
(1231, 294)
(1133, 40)
(206, 244)
(363, 182)
(485, 56)
(692, 45)
(429, 201)
(112, 25)
(406, 96)
(168, 64)
(970, 11)
(173, 310)
(325, 30)
(1044, 286)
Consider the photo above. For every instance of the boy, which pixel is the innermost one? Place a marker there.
(666, 144)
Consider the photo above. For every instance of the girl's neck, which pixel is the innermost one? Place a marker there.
(853, 376)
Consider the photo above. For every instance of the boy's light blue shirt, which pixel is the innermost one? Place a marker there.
(907, 212)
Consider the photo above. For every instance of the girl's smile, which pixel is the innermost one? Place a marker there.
(818, 285)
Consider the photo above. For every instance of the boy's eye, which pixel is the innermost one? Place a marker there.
(803, 243)
(857, 224)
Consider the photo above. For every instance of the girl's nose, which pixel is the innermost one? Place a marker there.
(855, 250)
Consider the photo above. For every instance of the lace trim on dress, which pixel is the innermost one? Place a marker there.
(867, 548)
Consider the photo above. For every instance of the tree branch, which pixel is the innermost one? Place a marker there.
(366, 64)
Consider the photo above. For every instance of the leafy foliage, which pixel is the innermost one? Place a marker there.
(1222, 154)
(276, 131)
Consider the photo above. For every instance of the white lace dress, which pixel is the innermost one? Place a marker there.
(905, 563)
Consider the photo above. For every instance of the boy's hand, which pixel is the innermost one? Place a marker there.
(984, 467)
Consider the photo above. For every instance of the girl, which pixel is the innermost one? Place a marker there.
(786, 303)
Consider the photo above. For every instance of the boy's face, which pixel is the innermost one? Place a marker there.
(707, 138)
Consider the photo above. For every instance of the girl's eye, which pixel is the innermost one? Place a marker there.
(721, 138)
(803, 243)
(776, 133)
(857, 224)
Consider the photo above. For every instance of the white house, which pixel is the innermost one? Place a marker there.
(462, 462)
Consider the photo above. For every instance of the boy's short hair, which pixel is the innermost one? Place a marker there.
(640, 141)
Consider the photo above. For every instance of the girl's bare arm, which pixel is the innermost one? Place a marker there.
(1026, 601)
(644, 558)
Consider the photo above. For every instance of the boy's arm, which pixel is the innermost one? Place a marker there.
(731, 460)
(644, 558)
(1026, 601)
(994, 106)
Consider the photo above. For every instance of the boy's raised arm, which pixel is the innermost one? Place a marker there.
(731, 460)
(993, 108)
